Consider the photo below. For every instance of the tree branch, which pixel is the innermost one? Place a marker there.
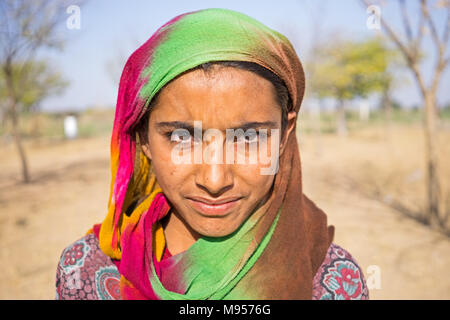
(406, 23)
(410, 56)
(394, 37)
(446, 35)
(434, 33)
(440, 46)
(419, 37)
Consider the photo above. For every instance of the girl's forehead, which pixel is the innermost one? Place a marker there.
(218, 98)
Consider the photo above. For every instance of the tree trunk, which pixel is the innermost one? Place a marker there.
(7, 68)
(18, 142)
(341, 121)
(387, 107)
(432, 161)
(387, 111)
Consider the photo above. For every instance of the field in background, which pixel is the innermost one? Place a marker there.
(45, 128)
(385, 160)
(357, 180)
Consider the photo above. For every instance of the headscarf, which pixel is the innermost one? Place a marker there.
(275, 253)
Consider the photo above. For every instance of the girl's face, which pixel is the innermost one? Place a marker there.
(212, 195)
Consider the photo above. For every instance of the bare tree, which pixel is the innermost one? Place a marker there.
(410, 45)
(25, 27)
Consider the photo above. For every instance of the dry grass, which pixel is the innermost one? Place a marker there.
(359, 182)
(387, 163)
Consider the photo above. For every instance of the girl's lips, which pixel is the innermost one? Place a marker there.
(214, 210)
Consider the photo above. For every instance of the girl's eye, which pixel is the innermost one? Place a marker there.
(180, 136)
(248, 137)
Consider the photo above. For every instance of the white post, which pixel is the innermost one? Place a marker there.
(70, 127)
(364, 110)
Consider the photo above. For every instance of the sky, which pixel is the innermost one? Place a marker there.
(110, 30)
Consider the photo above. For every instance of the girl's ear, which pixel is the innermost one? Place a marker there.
(292, 119)
(145, 146)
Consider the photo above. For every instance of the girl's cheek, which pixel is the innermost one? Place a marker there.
(251, 175)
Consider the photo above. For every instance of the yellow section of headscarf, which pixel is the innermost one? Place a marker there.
(159, 241)
(142, 186)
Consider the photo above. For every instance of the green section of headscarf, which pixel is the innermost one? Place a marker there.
(188, 43)
(213, 266)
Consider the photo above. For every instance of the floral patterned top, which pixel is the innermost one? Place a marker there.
(84, 272)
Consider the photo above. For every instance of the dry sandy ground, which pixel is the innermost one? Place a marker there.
(70, 193)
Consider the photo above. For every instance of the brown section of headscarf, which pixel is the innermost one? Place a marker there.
(301, 239)
(299, 243)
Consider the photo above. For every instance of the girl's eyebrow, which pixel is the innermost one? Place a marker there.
(174, 125)
(257, 125)
(190, 128)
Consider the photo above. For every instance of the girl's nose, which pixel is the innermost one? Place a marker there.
(214, 178)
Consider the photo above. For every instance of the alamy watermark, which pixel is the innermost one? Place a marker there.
(373, 277)
(241, 147)
(74, 279)
(373, 21)
(74, 19)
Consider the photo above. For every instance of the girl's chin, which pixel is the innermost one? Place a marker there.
(217, 228)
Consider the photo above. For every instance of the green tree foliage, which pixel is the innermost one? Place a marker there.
(345, 70)
(31, 82)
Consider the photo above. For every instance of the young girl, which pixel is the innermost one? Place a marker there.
(206, 197)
